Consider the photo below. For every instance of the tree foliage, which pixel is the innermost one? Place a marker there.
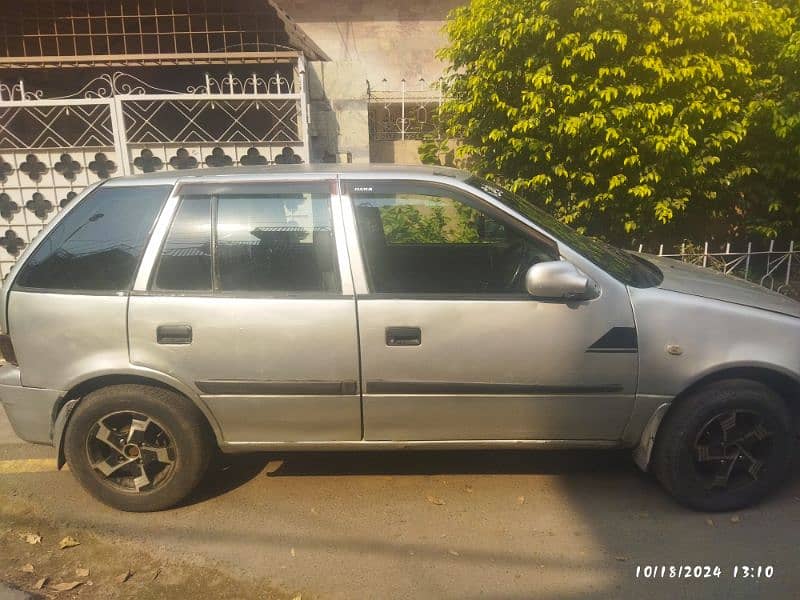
(438, 223)
(633, 118)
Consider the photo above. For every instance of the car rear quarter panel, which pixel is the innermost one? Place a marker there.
(60, 338)
(710, 336)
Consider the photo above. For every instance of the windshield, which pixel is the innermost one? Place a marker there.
(627, 267)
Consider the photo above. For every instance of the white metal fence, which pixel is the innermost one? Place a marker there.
(118, 124)
(773, 265)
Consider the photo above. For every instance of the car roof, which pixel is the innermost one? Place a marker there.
(371, 170)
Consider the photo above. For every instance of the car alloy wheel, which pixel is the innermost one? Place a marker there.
(133, 452)
(733, 450)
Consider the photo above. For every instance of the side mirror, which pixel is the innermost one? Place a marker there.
(559, 280)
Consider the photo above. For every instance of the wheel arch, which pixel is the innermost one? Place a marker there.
(786, 385)
(63, 408)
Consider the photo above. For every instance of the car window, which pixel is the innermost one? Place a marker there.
(627, 267)
(271, 239)
(98, 244)
(185, 262)
(420, 238)
(276, 242)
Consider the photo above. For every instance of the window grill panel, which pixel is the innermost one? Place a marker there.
(38, 28)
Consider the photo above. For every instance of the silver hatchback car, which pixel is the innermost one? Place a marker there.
(294, 308)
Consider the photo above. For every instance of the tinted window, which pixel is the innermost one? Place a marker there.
(276, 242)
(97, 246)
(186, 257)
(627, 267)
(419, 238)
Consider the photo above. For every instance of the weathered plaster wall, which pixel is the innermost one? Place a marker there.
(367, 40)
(394, 39)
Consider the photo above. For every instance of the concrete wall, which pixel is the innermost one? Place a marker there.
(394, 39)
(367, 40)
(401, 152)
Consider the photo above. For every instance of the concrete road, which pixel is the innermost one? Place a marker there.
(442, 525)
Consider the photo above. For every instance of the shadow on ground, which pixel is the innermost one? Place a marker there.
(229, 472)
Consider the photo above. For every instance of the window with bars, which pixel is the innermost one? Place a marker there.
(38, 28)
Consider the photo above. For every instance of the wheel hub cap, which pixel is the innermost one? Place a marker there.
(131, 451)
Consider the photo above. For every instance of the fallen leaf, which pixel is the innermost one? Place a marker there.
(66, 586)
(40, 584)
(710, 522)
(735, 519)
(31, 538)
(68, 542)
(621, 558)
(81, 572)
(453, 552)
(298, 597)
(313, 511)
(468, 489)
(26, 568)
(292, 552)
(521, 500)
(156, 574)
(435, 500)
(123, 577)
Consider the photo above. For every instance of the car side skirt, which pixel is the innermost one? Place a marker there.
(361, 445)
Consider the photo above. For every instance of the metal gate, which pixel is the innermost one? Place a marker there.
(118, 124)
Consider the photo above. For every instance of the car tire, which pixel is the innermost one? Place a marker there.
(725, 446)
(138, 448)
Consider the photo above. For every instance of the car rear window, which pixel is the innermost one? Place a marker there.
(98, 245)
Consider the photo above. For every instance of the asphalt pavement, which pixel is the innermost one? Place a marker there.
(494, 524)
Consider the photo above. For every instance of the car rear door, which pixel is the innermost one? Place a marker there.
(246, 296)
(453, 348)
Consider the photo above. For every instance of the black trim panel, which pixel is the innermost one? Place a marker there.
(277, 388)
(518, 389)
(180, 333)
(617, 339)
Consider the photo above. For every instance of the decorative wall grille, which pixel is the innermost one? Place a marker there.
(38, 28)
(402, 114)
(119, 124)
(56, 126)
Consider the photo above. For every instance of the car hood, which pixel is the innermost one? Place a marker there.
(706, 283)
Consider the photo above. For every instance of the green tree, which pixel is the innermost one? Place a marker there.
(441, 222)
(633, 119)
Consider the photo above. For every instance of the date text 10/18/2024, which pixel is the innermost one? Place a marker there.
(703, 571)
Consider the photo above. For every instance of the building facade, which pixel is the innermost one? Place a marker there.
(95, 88)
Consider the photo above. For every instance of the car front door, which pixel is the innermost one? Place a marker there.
(248, 298)
(453, 348)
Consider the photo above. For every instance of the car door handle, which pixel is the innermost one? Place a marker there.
(403, 336)
(174, 334)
